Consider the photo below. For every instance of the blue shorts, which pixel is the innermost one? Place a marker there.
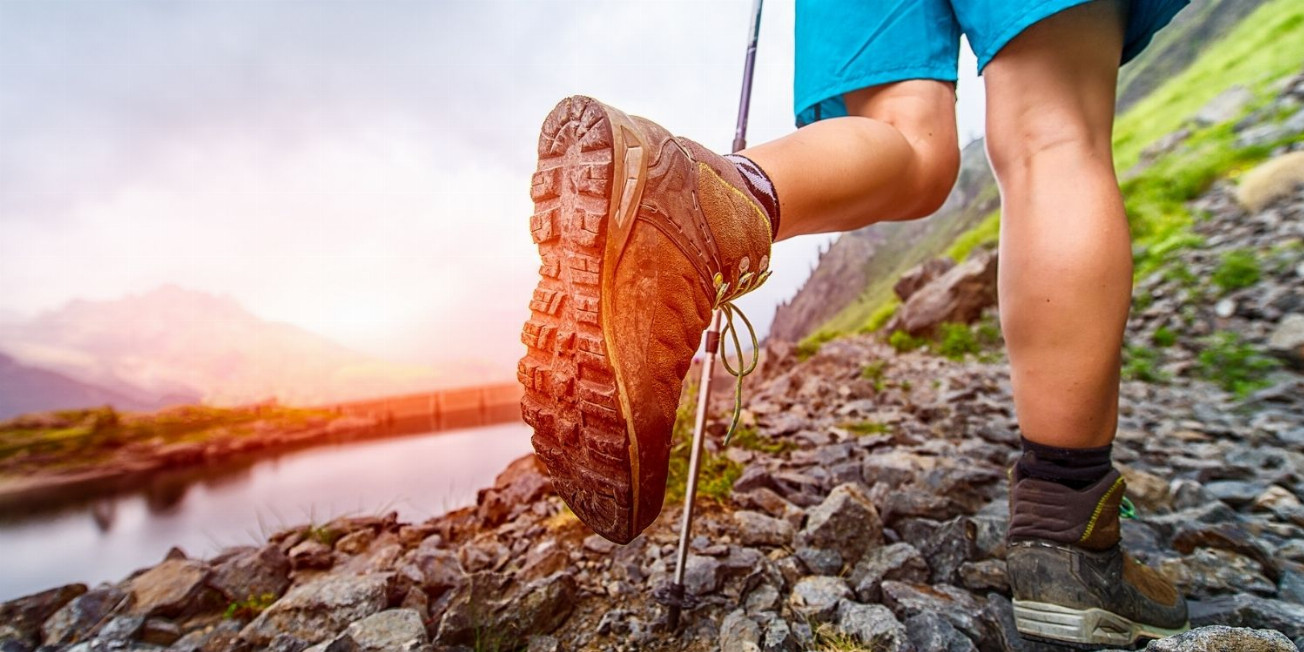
(843, 46)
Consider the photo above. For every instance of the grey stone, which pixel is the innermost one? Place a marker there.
(1237, 493)
(311, 554)
(898, 561)
(984, 575)
(79, 616)
(1244, 610)
(960, 295)
(1227, 105)
(929, 631)
(25, 615)
(543, 644)
(286, 643)
(820, 561)
(1287, 340)
(738, 633)
(221, 637)
(702, 574)
(957, 606)
(845, 521)
(873, 625)
(394, 629)
(317, 611)
(491, 602)
(441, 570)
(252, 574)
(122, 628)
(1217, 638)
(1208, 572)
(779, 637)
(816, 597)
(757, 529)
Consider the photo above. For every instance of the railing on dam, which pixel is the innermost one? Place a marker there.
(462, 407)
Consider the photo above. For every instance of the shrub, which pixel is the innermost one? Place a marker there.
(903, 341)
(1238, 269)
(1141, 363)
(1234, 364)
(1164, 337)
(956, 341)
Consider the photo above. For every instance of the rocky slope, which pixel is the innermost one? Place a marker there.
(868, 514)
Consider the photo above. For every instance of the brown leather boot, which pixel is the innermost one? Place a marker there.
(641, 234)
(1071, 580)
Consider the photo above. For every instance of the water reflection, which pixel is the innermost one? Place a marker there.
(106, 538)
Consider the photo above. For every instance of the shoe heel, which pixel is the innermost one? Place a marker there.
(1064, 624)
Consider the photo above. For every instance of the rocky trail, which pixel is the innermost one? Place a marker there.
(866, 509)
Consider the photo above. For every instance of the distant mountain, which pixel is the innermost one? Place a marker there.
(26, 389)
(174, 341)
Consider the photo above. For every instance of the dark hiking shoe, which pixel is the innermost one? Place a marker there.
(1071, 580)
(642, 235)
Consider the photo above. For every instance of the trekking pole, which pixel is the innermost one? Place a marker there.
(674, 595)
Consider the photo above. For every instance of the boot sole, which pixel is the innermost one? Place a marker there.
(1050, 622)
(592, 166)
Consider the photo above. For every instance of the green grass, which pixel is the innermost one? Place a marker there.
(746, 437)
(1164, 337)
(1265, 46)
(866, 428)
(987, 232)
(808, 347)
(875, 372)
(881, 314)
(903, 341)
(250, 607)
(1142, 363)
(717, 473)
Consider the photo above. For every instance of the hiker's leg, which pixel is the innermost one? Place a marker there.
(1065, 250)
(894, 157)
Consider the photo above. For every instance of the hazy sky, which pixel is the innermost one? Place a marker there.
(357, 168)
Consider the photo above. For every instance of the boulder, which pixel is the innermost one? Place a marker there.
(960, 295)
(174, 588)
(490, 609)
(317, 611)
(77, 619)
(252, 573)
(874, 626)
(817, 597)
(899, 561)
(394, 629)
(738, 633)
(1217, 638)
(757, 529)
(846, 522)
(929, 631)
(25, 615)
(1270, 181)
(921, 275)
(1287, 340)
(523, 482)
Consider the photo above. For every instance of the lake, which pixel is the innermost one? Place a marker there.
(202, 511)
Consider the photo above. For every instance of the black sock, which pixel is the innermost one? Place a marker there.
(760, 186)
(1076, 468)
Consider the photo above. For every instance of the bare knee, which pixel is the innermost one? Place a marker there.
(939, 168)
(1017, 144)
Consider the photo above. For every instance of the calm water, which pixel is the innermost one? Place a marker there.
(418, 476)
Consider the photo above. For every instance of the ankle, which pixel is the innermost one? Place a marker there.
(759, 184)
(1076, 468)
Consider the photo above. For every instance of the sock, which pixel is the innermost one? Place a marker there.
(1075, 468)
(760, 186)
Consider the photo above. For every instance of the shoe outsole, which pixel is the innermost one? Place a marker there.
(1082, 628)
(571, 399)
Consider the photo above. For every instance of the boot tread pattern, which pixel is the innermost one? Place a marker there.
(570, 386)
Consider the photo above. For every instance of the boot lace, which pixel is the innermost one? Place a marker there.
(725, 295)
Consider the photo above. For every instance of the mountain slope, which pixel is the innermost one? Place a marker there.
(851, 287)
(26, 389)
(173, 340)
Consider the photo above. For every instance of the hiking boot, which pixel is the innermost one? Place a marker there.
(642, 235)
(1071, 580)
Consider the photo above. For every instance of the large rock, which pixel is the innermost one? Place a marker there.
(492, 609)
(738, 633)
(1270, 181)
(174, 588)
(817, 597)
(523, 482)
(252, 573)
(899, 561)
(957, 606)
(757, 529)
(846, 522)
(959, 295)
(1244, 610)
(1287, 340)
(317, 611)
(921, 275)
(394, 629)
(25, 615)
(77, 619)
(929, 631)
(874, 626)
(1218, 638)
